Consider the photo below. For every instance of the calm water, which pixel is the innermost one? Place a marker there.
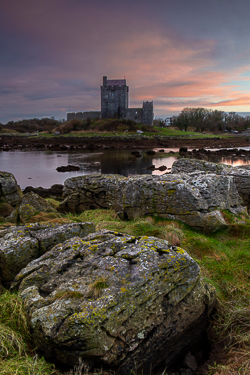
(38, 168)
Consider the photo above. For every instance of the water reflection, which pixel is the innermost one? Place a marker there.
(38, 168)
(119, 162)
(235, 162)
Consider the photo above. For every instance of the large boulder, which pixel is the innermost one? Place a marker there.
(21, 244)
(196, 199)
(241, 174)
(129, 304)
(10, 192)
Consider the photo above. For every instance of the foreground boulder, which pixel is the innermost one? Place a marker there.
(196, 199)
(129, 304)
(240, 174)
(21, 244)
(10, 192)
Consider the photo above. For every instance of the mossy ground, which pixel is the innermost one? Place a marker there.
(224, 258)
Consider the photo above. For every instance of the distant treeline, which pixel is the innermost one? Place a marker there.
(202, 119)
(33, 125)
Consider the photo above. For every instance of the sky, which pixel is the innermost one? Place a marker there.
(177, 53)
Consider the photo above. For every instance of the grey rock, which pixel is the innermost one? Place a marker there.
(241, 175)
(190, 362)
(10, 191)
(22, 244)
(39, 203)
(196, 199)
(115, 300)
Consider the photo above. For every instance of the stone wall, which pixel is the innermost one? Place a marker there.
(93, 115)
(147, 113)
(134, 114)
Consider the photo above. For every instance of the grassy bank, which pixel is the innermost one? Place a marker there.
(151, 133)
(224, 258)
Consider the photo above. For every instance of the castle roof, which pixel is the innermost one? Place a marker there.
(116, 82)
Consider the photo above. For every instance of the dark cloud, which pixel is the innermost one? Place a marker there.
(55, 52)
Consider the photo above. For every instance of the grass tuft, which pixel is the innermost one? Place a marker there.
(11, 342)
(95, 289)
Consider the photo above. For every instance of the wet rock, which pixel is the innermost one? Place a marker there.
(183, 150)
(136, 154)
(162, 168)
(114, 300)
(67, 168)
(196, 199)
(21, 244)
(151, 167)
(150, 152)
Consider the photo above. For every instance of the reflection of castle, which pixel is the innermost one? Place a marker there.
(114, 104)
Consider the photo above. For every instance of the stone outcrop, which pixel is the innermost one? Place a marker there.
(54, 192)
(196, 199)
(10, 191)
(129, 304)
(29, 205)
(241, 174)
(21, 244)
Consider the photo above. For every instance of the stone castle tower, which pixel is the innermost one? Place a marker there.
(114, 98)
(114, 104)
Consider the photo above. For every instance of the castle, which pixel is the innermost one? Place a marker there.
(114, 104)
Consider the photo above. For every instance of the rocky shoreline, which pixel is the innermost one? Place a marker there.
(60, 143)
(115, 299)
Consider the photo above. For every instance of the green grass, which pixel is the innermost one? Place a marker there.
(224, 259)
(153, 131)
(17, 355)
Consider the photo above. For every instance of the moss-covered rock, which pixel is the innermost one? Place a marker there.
(115, 300)
(26, 211)
(195, 199)
(19, 245)
(10, 192)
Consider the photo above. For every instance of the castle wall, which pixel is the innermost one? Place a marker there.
(134, 114)
(93, 115)
(147, 113)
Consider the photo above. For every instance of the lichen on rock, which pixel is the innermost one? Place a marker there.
(21, 244)
(10, 191)
(115, 300)
(196, 199)
(240, 174)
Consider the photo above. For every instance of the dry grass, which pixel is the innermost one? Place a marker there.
(96, 288)
(11, 342)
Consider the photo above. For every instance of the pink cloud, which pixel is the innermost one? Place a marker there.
(79, 42)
